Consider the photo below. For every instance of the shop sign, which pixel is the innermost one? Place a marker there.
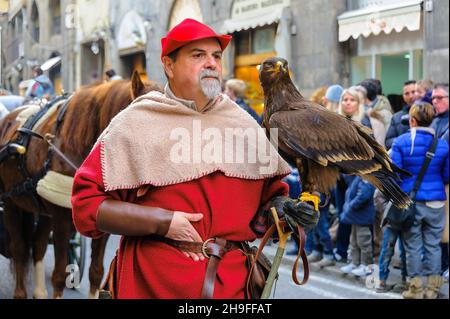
(243, 9)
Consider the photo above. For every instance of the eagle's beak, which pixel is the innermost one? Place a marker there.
(281, 66)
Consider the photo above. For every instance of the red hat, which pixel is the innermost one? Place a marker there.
(187, 31)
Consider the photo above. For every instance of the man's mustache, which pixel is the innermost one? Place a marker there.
(209, 74)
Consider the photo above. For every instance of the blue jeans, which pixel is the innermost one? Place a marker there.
(319, 239)
(444, 257)
(344, 230)
(425, 237)
(390, 238)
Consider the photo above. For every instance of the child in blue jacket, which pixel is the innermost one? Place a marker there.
(359, 211)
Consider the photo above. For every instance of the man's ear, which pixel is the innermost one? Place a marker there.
(168, 65)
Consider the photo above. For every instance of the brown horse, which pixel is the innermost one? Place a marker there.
(88, 113)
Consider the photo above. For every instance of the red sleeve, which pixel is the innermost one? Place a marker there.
(87, 195)
(272, 188)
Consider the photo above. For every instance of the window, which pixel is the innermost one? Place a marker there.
(55, 8)
(256, 41)
(263, 40)
(243, 41)
(35, 27)
(393, 69)
(19, 24)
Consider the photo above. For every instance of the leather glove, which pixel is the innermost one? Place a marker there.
(295, 213)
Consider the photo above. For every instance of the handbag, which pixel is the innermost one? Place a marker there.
(402, 219)
(108, 290)
(260, 266)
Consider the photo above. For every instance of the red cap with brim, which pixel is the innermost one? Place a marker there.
(187, 31)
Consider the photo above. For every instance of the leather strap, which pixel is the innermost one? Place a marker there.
(198, 248)
(301, 253)
(429, 156)
(217, 250)
(264, 241)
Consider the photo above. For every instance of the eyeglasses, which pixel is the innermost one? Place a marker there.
(439, 98)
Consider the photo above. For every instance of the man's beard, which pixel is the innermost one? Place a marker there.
(211, 88)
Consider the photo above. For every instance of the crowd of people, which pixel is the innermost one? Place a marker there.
(359, 237)
(37, 88)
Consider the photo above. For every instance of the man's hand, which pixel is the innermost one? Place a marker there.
(295, 213)
(181, 229)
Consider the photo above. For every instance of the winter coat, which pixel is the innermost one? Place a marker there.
(397, 128)
(409, 151)
(375, 122)
(359, 208)
(40, 86)
(440, 124)
(294, 184)
(384, 108)
(249, 110)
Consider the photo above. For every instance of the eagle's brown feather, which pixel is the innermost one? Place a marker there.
(323, 144)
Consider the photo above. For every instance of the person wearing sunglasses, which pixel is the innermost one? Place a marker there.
(440, 103)
(440, 124)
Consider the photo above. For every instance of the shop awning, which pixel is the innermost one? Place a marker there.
(266, 18)
(377, 19)
(49, 64)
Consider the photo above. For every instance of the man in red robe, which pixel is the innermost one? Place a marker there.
(165, 176)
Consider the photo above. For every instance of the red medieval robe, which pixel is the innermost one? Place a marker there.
(149, 269)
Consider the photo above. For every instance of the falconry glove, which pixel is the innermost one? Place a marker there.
(293, 212)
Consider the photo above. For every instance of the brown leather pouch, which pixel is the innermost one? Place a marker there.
(258, 272)
(108, 290)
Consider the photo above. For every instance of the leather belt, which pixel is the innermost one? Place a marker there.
(214, 249)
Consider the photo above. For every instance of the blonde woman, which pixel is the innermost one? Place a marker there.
(350, 105)
(319, 94)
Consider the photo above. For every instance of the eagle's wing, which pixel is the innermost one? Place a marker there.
(326, 138)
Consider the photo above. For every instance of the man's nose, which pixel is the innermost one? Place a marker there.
(211, 63)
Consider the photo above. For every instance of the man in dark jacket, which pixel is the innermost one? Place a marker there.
(397, 128)
(440, 124)
(440, 103)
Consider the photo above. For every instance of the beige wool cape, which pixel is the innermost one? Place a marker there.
(159, 141)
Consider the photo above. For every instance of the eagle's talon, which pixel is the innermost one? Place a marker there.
(311, 198)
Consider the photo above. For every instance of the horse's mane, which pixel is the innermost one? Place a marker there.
(90, 111)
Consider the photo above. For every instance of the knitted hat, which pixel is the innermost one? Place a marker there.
(334, 93)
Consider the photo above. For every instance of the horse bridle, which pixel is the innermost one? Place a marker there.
(19, 146)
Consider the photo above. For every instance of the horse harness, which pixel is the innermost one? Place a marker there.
(19, 146)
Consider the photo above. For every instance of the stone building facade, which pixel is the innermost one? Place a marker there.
(326, 42)
(33, 32)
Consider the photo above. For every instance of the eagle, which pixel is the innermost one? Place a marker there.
(323, 144)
